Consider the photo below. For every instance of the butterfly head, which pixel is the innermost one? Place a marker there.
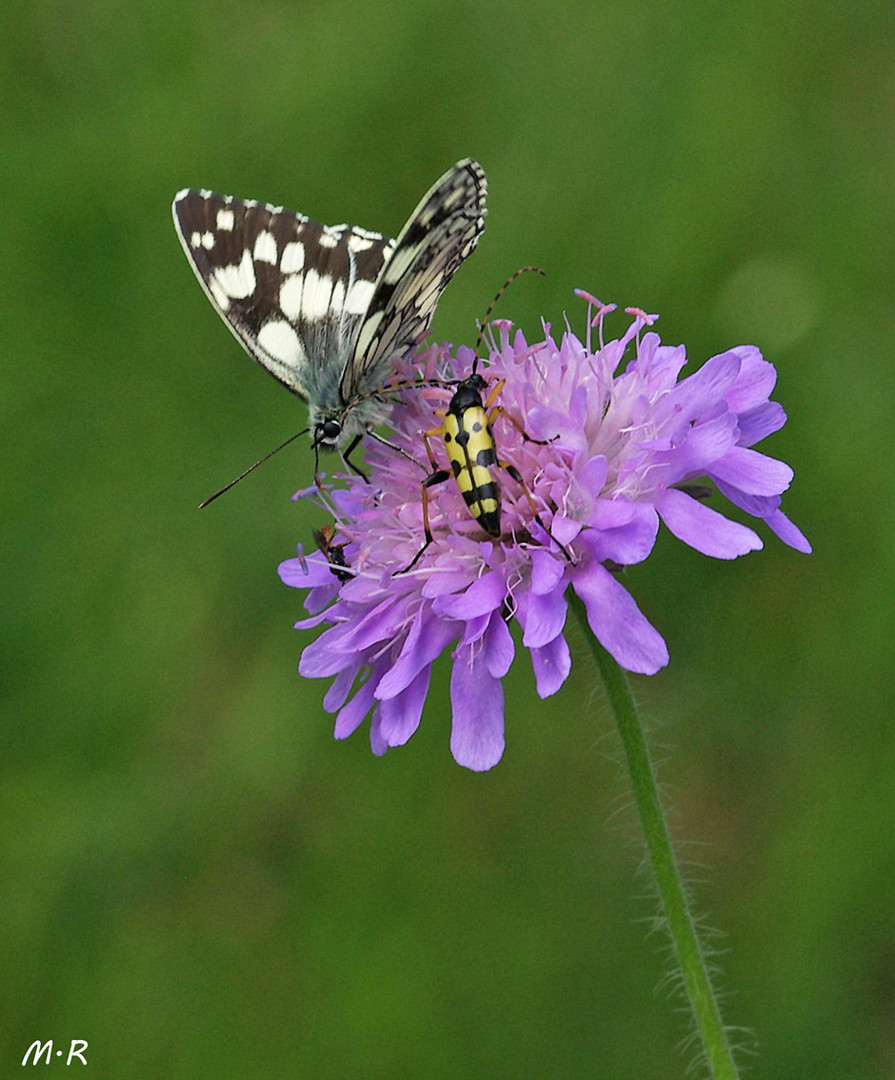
(334, 428)
(326, 430)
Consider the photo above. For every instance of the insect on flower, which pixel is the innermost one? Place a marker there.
(637, 443)
(328, 310)
(466, 429)
(334, 553)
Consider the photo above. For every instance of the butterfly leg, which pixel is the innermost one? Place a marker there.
(394, 446)
(346, 458)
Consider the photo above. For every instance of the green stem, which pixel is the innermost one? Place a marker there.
(675, 908)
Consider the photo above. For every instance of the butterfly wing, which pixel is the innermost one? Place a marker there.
(294, 292)
(442, 232)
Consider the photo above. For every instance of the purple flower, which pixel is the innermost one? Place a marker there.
(621, 441)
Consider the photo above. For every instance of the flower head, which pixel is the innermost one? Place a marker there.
(606, 441)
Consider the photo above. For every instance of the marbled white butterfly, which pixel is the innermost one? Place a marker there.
(326, 309)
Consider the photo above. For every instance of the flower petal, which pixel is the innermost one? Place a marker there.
(542, 616)
(499, 647)
(477, 738)
(760, 422)
(626, 544)
(617, 622)
(754, 382)
(611, 513)
(701, 391)
(702, 446)
(564, 529)
(428, 637)
(703, 528)
(446, 579)
(399, 717)
(314, 620)
(307, 572)
(546, 572)
(351, 715)
(335, 697)
(320, 659)
(483, 596)
(751, 472)
(767, 507)
(377, 742)
(788, 532)
(551, 663)
(380, 623)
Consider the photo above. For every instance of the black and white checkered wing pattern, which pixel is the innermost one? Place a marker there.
(442, 232)
(294, 292)
(327, 309)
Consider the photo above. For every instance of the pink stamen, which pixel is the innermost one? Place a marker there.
(638, 313)
(605, 310)
(529, 352)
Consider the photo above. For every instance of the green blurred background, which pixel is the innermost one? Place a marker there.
(194, 876)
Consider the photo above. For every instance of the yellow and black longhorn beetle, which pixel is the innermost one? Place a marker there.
(466, 431)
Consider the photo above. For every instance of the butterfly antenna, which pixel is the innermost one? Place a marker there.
(251, 468)
(498, 295)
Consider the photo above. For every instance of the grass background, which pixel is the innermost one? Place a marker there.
(195, 877)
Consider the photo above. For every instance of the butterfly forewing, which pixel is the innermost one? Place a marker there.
(442, 231)
(327, 309)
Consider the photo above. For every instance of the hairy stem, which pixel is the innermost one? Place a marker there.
(675, 908)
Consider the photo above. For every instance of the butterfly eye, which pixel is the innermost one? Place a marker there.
(328, 432)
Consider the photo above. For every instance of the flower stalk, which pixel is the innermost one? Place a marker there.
(675, 909)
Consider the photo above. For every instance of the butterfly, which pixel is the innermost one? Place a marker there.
(327, 309)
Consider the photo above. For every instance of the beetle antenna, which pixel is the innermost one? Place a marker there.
(493, 304)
